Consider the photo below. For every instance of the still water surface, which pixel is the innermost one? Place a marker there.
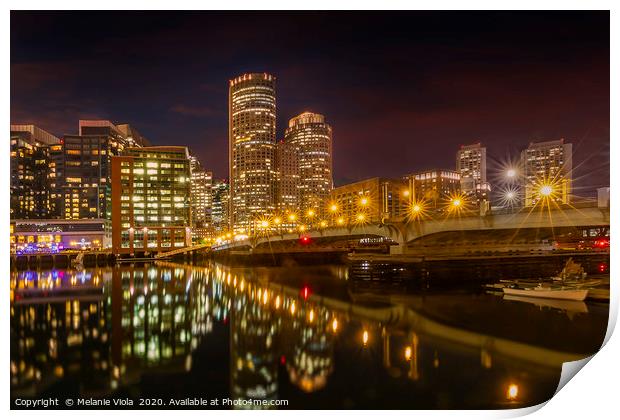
(308, 335)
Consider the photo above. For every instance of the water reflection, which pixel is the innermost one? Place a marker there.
(160, 330)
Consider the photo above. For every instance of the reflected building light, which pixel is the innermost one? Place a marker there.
(513, 392)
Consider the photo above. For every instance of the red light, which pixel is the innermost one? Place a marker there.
(282, 360)
(305, 240)
(306, 292)
(602, 268)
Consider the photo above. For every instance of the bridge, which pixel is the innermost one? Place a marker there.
(404, 232)
(164, 255)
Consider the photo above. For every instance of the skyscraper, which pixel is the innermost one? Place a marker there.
(220, 207)
(201, 185)
(288, 177)
(252, 148)
(547, 171)
(471, 164)
(310, 138)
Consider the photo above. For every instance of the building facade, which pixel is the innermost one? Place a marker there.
(547, 168)
(471, 164)
(201, 197)
(252, 148)
(309, 139)
(220, 207)
(368, 201)
(52, 235)
(31, 195)
(151, 189)
(288, 177)
(433, 187)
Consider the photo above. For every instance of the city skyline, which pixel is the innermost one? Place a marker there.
(423, 111)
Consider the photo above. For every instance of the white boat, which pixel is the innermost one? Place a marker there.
(562, 304)
(548, 293)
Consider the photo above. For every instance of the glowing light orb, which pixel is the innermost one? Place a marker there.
(511, 173)
(365, 337)
(546, 190)
(513, 391)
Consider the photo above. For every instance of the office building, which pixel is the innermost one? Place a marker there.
(151, 189)
(309, 139)
(81, 168)
(220, 207)
(368, 201)
(252, 148)
(30, 195)
(433, 187)
(547, 171)
(201, 197)
(288, 177)
(471, 164)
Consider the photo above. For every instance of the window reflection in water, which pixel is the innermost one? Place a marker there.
(105, 328)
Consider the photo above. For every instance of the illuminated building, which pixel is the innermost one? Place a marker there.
(151, 199)
(252, 148)
(29, 165)
(375, 199)
(433, 186)
(309, 139)
(471, 164)
(288, 177)
(62, 234)
(220, 206)
(551, 163)
(82, 167)
(201, 198)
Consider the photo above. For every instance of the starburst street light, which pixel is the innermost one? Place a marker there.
(364, 201)
(509, 197)
(456, 203)
(333, 207)
(417, 209)
(546, 190)
(511, 173)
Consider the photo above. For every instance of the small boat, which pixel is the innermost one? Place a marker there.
(548, 293)
(562, 304)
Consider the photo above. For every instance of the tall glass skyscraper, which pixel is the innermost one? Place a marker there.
(252, 148)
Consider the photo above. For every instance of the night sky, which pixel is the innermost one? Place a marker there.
(402, 90)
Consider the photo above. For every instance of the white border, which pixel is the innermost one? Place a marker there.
(592, 394)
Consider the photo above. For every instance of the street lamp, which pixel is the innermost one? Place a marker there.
(511, 173)
(546, 190)
(363, 201)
